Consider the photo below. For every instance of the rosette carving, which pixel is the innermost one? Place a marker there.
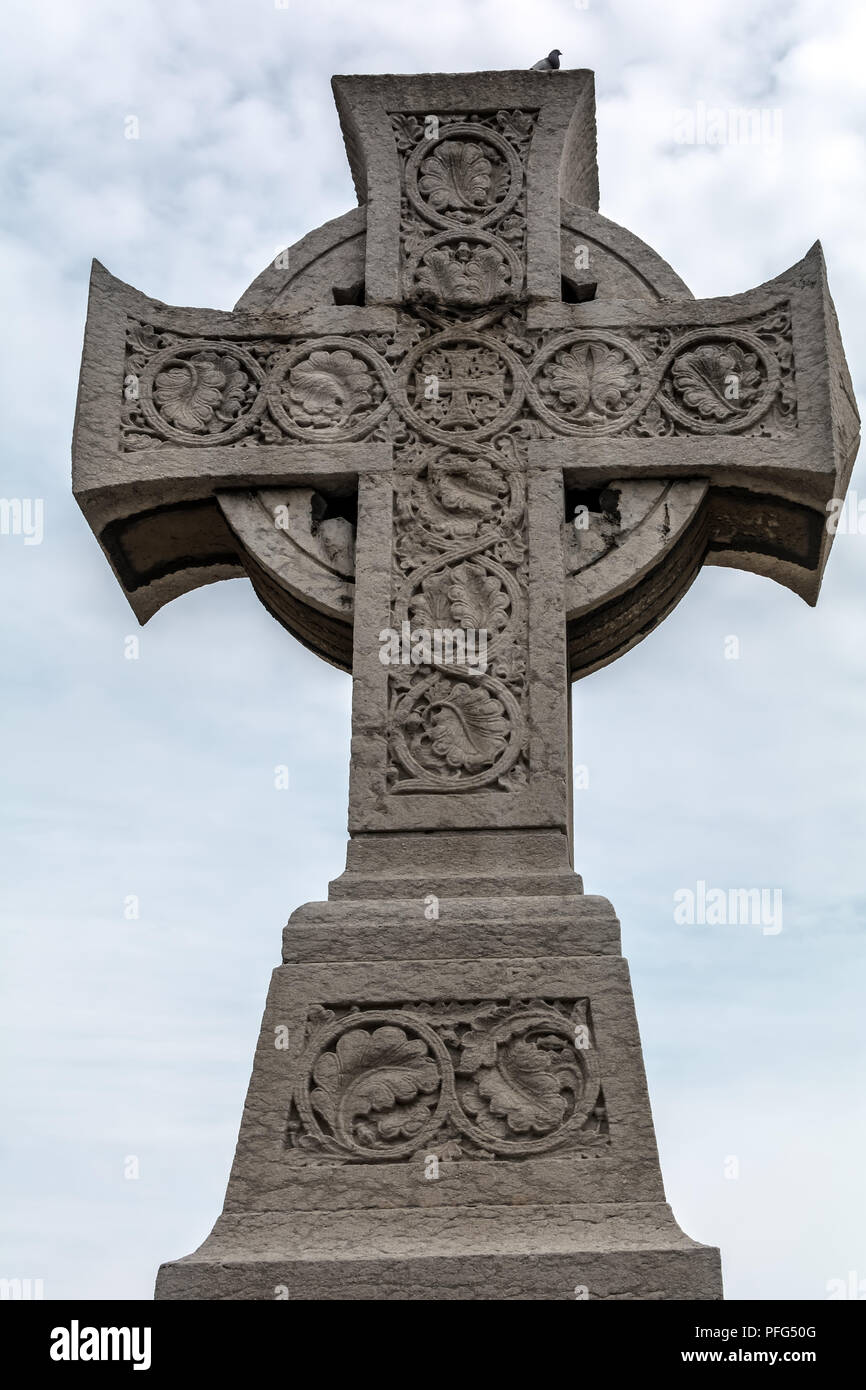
(589, 382)
(451, 733)
(725, 381)
(592, 381)
(464, 176)
(470, 173)
(459, 725)
(667, 381)
(370, 1084)
(460, 385)
(190, 391)
(522, 1079)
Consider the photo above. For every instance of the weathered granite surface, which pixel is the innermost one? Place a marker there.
(474, 404)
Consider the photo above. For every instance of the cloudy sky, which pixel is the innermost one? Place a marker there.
(154, 778)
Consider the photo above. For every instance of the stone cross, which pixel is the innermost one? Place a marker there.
(471, 406)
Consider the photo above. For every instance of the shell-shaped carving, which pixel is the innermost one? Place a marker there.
(459, 176)
(478, 599)
(431, 608)
(464, 597)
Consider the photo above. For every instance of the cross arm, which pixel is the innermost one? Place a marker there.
(190, 468)
(728, 426)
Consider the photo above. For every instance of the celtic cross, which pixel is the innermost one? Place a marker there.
(473, 405)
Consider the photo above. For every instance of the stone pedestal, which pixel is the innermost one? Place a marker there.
(448, 1107)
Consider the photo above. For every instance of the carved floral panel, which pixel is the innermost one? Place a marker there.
(460, 380)
(463, 205)
(481, 1079)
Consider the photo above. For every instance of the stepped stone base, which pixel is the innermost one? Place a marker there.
(426, 1125)
(619, 1251)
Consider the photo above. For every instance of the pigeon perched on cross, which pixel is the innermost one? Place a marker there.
(548, 64)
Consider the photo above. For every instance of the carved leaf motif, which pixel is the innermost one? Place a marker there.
(717, 382)
(457, 176)
(463, 276)
(270, 432)
(201, 393)
(327, 387)
(512, 228)
(517, 125)
(449, 1151)
(469, 727)
(141, 441)
(514, 1070)
(432, 607)
(514, 779)
(142, 337)
(404, 1122)
(520, 1082)
(500, 179)
(477, 598)
(653, 423)
(408, 129)
(593, 374)
(372, 1071)
(467, 596)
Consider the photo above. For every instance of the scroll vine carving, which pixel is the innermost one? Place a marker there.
(460, 563)
(459, 383)
(480, 1079)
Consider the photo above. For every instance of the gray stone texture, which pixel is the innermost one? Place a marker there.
(472, 403)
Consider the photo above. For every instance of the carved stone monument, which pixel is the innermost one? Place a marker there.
(471, 407)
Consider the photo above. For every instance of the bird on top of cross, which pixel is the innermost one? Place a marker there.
(548, 64)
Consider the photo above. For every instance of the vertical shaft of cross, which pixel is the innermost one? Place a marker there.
(463, 537)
